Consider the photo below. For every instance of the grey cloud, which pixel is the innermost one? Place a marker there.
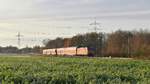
(44, 15)
(56, 8)
(90, 7)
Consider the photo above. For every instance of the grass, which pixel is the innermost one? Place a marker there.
(68, 70)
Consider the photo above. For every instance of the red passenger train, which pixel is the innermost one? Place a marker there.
(70, 51)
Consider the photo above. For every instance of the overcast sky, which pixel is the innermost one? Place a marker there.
(40, 19)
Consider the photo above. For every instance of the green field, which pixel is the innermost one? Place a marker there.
(67, 70)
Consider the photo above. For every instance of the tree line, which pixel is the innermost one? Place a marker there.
(116, 44)
(15, 50)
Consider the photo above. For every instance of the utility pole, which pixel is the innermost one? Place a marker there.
(19, 39)
(99, 39)
(129, 44)
(95, 24)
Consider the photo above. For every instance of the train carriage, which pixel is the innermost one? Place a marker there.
(44, 52)
(70, 51)
(49, 52)
(83, 51)
(53, 52)
(60, 51)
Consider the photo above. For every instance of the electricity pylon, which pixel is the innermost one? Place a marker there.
(19, 39)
